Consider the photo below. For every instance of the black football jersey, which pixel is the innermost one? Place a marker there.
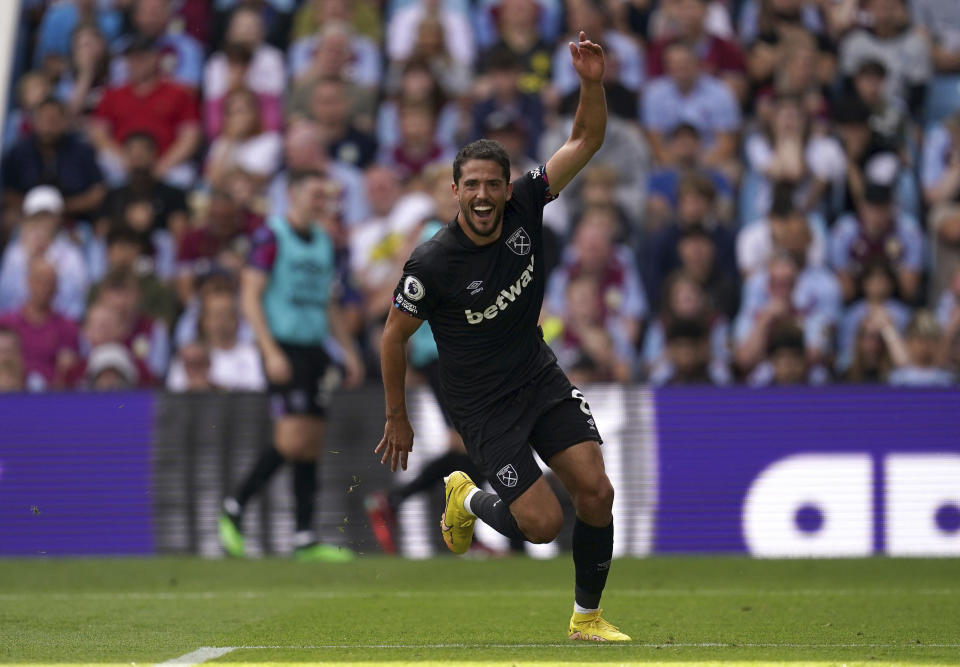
(483, 302)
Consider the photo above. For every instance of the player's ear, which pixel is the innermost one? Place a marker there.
(453, 187)
(509, 190)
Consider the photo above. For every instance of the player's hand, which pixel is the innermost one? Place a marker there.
(277, 366)
(397, 442)
(587, 59)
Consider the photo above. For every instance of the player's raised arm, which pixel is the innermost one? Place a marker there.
(397, 440)
(590, 121)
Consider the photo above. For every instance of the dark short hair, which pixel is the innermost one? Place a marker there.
(298, 176)
(481, 149)
(786, 337)
(691, 329)
(698, 183)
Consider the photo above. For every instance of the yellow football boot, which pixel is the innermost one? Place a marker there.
(592, 628)
(456, 523)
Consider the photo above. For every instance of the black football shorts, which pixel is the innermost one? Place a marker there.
(546, 415)
(308, 392)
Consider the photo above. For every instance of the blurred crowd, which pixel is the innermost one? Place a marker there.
(777, 201)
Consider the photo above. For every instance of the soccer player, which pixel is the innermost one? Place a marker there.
(480, 283)
(288, 295)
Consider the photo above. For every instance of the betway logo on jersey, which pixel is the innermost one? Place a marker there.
(504, 299)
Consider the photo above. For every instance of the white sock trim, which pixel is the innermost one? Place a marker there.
(303, 538)
(583, 610)
(466, 501)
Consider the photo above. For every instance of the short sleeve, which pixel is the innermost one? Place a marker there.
(264, 251)
(532, 190)
(419, 290)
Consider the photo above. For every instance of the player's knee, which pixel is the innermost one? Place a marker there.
(542, 528)
(596, 502)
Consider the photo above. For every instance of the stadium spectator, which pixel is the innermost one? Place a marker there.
(187, 329)
(871, 363)
(146, 338)
(685, 299)
(719, 57)
(244, 142)
(245, 61)
(128, 251)
(888, 38)
(877, 289)
(181, 56)
(153, 104)
(682, 152)
(417, 85)
(377, 244)
(687, 357)
(686, 95)
(939, 23)
(699, 258)
(878, 232)
(343, 140)
(505, 97)
(232, 364)
(60, 21)
(418, 145)
(190, 370)
(220, 234)
(588, 345)
(786, 363)
(518, 32)
(103, 326)
(275, 17)
(696, 208)
(32, 89)
(810, 298)
(110, 367)
(783, 229)
(87, 74)
(940, 176)
(361, 60)
(12, 375)
(364, 16)
(787, 149)
(41, 235)
(48, 340)
(169, 203)
(303, 149)
(53, 155)
(918, 356)
(888, 120)
(238, 60)
(454, 29)
(619, 291)
(784, 32)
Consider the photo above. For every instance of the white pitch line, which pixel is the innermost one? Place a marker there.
(201, 655)
(575, 645)
(335, 595)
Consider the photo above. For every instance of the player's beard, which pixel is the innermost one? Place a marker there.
(488, 230)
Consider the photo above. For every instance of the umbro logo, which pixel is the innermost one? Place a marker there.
(519, 242)
(475, 287)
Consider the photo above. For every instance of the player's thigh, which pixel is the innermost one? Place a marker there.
(538, 512)
(581, 470)
(299, 437)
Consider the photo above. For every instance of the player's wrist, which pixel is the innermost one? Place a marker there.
(397, 414)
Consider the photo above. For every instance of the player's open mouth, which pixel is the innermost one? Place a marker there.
(482, 213)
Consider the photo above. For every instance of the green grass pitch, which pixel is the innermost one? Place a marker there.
(455, 611)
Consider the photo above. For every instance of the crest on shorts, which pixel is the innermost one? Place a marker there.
(519, 242)
(508, 476)
(413, 288)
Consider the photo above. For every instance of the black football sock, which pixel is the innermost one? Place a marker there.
(263, 470)
(304, 492)
(489, 508)
(592, 551)
(431, 475)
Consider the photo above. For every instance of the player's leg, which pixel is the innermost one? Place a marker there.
(566, 437)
